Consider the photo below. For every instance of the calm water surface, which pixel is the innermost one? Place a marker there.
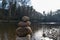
(7, 32)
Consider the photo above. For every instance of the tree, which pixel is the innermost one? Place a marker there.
(24, 7)
(24, 2)
(3, 8)
(4, 3)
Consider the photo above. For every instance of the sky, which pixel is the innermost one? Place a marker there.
(45, 5)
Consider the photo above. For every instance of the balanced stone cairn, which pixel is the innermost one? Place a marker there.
(24, 29)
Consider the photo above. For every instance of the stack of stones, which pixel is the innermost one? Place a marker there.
(24, 28)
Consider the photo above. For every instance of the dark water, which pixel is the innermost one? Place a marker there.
(7, 30)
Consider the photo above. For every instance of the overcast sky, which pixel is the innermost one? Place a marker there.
(45, 5)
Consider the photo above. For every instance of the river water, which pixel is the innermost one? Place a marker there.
(7, 32)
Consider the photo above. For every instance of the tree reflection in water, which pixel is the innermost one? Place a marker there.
(50, 34)
(39, 36)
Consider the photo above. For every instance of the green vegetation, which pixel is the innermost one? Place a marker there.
(15, 13)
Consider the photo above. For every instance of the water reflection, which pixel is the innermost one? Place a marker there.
(7, 31)
(39, 36)
(50, 34)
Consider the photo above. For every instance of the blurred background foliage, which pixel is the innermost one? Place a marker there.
(15, 9)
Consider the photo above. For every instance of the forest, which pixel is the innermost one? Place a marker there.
(14, 11)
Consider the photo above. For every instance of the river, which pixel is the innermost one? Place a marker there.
(7, 31)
